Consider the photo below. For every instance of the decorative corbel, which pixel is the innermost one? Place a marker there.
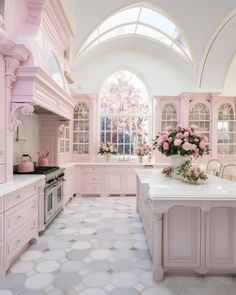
(35, 8)
(16, 108)
(11, 64)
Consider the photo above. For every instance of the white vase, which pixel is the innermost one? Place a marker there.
(178, 160)
(107, 157)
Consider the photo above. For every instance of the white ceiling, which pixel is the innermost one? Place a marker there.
(198, 20)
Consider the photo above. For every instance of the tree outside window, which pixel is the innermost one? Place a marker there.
(124, 112)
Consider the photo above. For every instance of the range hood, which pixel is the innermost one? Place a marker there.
(34, 86)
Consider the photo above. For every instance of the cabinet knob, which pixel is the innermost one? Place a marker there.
(17, 241)
(18, 217)
(18, 197)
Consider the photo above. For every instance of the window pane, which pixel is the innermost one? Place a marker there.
(120, 31)
(123, 17)
(157, 20)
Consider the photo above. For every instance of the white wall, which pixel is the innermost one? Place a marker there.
(160, 77)
(230, 80)
(29, 130)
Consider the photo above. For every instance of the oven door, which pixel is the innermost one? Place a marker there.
(59, 197)
(49, 202)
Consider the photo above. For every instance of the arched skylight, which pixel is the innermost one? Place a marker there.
(140, 21)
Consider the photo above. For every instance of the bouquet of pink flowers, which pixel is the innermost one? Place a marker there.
(143, 150)
(107, 148)
(195, 175)
(182, 141)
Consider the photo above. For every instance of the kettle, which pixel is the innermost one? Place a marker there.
(26, 165)
(43, 159)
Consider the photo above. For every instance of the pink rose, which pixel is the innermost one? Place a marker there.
(179, 135)
(196, 173)
(165, 146)
(186, 134)
(203, 145)
(187, 146)
(164, 137)
(177, 142)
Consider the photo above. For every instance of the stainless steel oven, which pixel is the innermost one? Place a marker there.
(53, 197)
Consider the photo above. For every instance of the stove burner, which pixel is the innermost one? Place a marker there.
(40, 170)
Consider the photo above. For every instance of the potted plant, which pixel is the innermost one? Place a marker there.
(142, 150)
(181, 143)
(107, 149)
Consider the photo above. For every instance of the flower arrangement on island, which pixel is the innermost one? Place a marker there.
(107, 148)
(182, 141)
(187, 173)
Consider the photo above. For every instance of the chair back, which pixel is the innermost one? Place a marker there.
(214, 167)
(229, 172)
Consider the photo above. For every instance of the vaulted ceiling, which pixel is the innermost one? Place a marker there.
(208, 27)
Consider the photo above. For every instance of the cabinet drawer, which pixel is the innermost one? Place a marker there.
(17, 241)
(88, 188)
(92, 169)
(16, 216)
(1, 227)
(18, 196)
(125, 169)
(93, 178)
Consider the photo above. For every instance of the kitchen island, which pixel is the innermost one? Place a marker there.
(189, 228)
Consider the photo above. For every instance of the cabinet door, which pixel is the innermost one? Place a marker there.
(114, 184)
(2, 119)
(130, 183)
(221, 238)
(182, 237)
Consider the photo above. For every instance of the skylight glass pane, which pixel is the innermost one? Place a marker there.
(123, 17)
(176, 48)
(155, 19)
(179, 41)
(151, 33)
(124, 30)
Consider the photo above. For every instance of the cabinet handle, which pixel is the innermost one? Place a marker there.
(18, 197)
(17, 241)
(18, 217)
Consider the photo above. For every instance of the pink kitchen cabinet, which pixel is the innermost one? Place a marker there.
(70, 185)
(3, 119)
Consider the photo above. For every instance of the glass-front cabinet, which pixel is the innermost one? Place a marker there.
(83, 128)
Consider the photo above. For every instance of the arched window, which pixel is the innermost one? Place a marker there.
(168, 116)
(124, 112)
(226, 130)
(55, 70)
(199, 115)
(81, 129)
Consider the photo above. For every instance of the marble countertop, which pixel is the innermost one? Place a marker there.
(19, 181)
(111, 163)
(167, 188)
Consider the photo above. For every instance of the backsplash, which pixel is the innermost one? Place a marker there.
(28, 131)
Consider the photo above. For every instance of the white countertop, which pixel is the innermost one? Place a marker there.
(19, 181)
(111, 163)
(167, 188)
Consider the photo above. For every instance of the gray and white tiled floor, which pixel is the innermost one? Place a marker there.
(97, 246)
